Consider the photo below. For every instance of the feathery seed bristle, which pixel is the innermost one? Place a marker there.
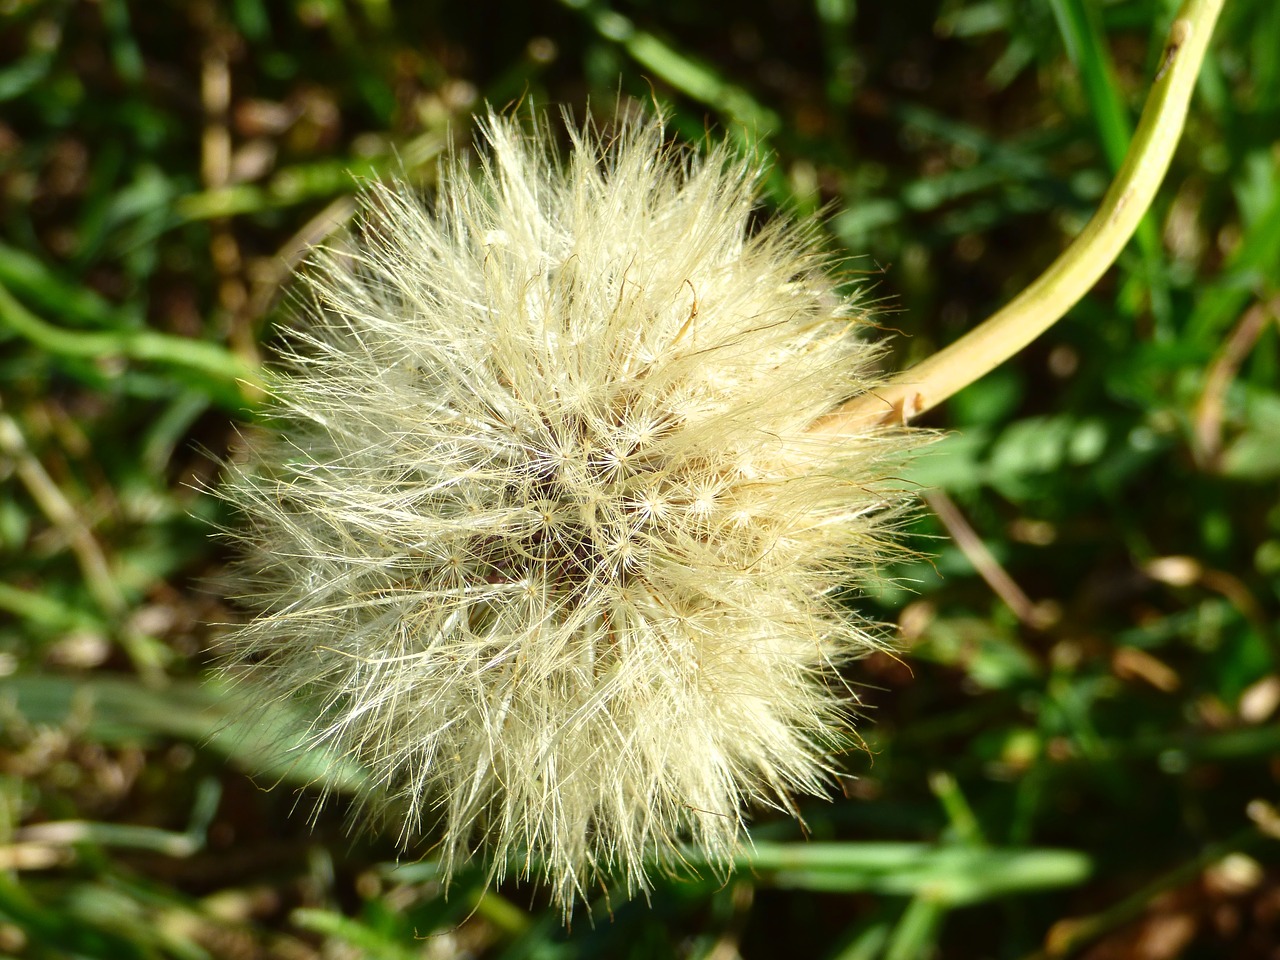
(541, 527)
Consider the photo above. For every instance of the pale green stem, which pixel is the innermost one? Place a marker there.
(1079, 267)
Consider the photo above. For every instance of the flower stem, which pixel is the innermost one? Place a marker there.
(1079, 267)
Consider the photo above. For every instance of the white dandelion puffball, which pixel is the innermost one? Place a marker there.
(539, 527)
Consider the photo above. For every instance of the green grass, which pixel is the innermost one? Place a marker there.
(1083, 764)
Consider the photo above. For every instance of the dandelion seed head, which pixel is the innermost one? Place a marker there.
(539, 526)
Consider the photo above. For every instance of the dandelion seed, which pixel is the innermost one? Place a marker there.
(540, 528)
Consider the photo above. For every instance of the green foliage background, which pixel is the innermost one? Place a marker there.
(1083, 763)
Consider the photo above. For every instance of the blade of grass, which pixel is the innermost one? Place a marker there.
(964, 823)
(305, 182)
(336, 927)
(1070, 937)
(694, 79)
(113, 710)
(868, 943)
(147, 655)
(227, 378)
(954, 876)
(46, 611)
(916, 934)
(1250, 272)
(50, 928)
(33, 281)
(170, 843)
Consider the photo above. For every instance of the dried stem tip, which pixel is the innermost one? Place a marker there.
(542, 529)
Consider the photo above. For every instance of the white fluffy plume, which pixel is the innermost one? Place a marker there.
(540, 529)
